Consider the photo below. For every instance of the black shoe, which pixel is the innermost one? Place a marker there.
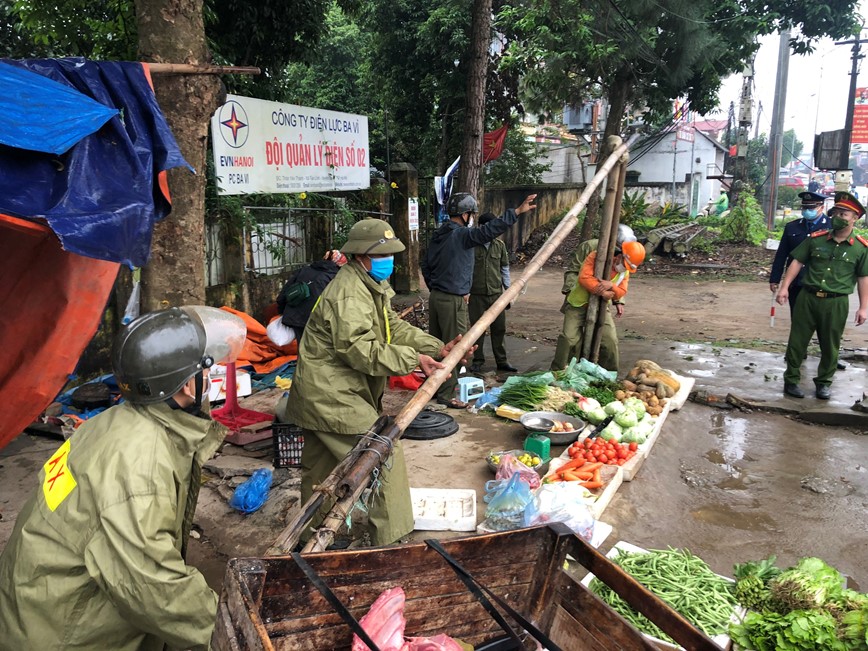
(509, 368)
(824, 392)
(841, 365)
(476, 367)
(794, 391)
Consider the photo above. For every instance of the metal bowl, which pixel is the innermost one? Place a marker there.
(557, 438)
(540, 469)
(534, 423)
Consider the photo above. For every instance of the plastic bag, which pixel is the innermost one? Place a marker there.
(596, 371)
(506, 508)
(251, 495)
(561, 502)
(281, 335)
(574, 378)
(133, 308)
(510, 465)
(540, 378)
(488, 400)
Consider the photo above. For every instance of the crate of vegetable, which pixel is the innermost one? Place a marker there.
(684, 581)
(600, 480)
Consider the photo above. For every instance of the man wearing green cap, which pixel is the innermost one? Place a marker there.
(352, 343)
(836, 262)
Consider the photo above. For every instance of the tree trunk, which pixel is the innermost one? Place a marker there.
(619, 91)
(474, 119)
(173, 31)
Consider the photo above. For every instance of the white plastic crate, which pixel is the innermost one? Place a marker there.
(444, 509)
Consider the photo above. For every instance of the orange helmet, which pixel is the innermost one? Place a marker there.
(634, 255)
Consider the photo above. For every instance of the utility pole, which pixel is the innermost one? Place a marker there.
(759, 112)
(776, 137)
(745, 110)
(844, 175)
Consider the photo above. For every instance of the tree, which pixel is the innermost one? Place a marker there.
(517, 165)
(792, 148)
(474, 121)
(642, 56)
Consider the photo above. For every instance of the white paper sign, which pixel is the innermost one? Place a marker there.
(262, 146)
(413, 213)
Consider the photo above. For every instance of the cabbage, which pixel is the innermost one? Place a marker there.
(626, 418)
(614, 407)
(612, 431)
(636, 405)
(596, 416)
(634, 435)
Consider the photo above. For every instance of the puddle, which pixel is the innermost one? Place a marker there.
(724, 516)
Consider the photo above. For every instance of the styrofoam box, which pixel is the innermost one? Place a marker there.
(243, 385)
(444, 509)
(722, 640)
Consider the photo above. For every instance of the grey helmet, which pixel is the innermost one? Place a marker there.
(625, 234)
(460, 203)
(156, 354)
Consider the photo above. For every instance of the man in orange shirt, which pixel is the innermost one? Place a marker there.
(626, 261)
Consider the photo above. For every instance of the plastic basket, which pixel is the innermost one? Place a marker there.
(288, 444)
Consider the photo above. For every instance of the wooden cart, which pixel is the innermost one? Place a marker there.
(268, 603)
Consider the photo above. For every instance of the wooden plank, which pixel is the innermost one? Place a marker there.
(245, 615)
(569, 633)
(224, 637)
(640, 598)
(602, 624)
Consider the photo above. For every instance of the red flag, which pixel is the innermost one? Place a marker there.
(733, 151)
(492, 144)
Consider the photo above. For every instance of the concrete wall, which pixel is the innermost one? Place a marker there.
(552, 201)
(564, 161)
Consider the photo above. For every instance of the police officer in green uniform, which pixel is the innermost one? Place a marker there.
(352, 343)
(490, 279)
(836, 262)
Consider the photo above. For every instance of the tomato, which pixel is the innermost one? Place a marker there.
(630, 455)
(621, 454)
(621, 462)
(634, 446)
(590, 458)
(603, 458)
(589, 442)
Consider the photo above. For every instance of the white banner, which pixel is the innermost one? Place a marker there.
(262, 146)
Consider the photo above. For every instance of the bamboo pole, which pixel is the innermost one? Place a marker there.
(596, 304)
(192, 69)
(369, 449)
(597, 336)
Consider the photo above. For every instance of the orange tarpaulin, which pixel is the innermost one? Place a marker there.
(52, 305)
(259, 351)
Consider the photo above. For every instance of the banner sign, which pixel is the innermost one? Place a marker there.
(413, 213)
(860, 117)
(262, 146)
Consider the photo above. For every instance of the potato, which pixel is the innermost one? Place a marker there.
(628, 386)
(620, 395)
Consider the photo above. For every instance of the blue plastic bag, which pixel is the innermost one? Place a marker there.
(251, 495)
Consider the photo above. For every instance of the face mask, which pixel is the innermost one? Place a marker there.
(839, 223)
(810, 213)
(620, 268)
(382, 268)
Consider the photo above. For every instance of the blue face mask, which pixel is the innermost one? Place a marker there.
(382, 268)
(811, 213)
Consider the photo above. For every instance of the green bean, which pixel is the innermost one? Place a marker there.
(682, 580)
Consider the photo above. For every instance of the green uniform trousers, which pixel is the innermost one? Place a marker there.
(571, 339)
(825, 316)
(390, 511)
(447, 318)
(479, 303)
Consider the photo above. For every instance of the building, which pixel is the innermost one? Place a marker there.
(677, 167)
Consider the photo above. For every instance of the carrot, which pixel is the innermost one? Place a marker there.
(597, 476)
(571, 464)
(584, 476)
(591, 484)
(591, 467)
(569, 476)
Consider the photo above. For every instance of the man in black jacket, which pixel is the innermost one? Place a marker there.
(448, 271)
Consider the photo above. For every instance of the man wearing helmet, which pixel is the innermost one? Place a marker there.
(352, 343)
(96, 560)
(448, 271)
(580, 282)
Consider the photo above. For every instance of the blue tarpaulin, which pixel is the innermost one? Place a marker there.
(43, 115)
(101, 197)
